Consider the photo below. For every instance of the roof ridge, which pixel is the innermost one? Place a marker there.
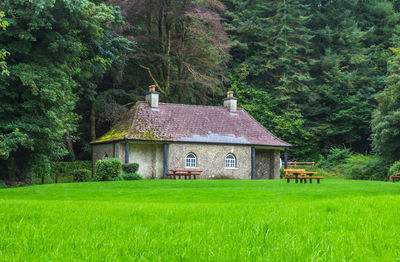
(239, 108)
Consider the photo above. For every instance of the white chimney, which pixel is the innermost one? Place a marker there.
(152, 98)
(230, 102)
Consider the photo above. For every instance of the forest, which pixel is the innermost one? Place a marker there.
(323, 75)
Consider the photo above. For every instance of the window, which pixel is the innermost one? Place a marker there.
(191, 160)
(230, 161)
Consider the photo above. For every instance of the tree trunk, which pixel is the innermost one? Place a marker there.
(69, 147)
(92, 123)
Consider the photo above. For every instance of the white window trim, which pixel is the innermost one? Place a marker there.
(195, 161)
(235, 162)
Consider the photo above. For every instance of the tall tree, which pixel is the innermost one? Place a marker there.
(49, 43)
(181, 47)
(386, 119)
(271, 59)
(3, 52)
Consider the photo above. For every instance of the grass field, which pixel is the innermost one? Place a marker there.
(156, 220)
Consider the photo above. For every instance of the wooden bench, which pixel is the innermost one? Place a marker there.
(395, 177)
(187, 174)
(311, 178)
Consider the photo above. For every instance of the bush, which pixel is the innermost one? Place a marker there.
(131, 176)
(65, 170)
(130, 168)
(81, 175)
(336, 156)
(2, 184)
(365, 168)
(108, 169)
(42, 170)
(394, 169)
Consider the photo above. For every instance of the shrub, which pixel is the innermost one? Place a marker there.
(81, 175)
(395, 168)
(65, 170)
(2, 184)
(336, 156)
(365, 167)
(42, 170)
(131, 176)
(108, 169)
(130, 168)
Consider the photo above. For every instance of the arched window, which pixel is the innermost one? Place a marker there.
(191, 160)
(230, 161)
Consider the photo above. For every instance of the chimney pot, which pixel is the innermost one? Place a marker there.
(152, 98)
(230, 102)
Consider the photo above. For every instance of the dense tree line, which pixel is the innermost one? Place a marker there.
(319, 74)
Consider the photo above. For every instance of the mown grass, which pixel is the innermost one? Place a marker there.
(156, 220)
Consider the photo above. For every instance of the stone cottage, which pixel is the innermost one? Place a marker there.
(223, 141)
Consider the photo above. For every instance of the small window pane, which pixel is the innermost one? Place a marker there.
(230, 161)
(190, 160)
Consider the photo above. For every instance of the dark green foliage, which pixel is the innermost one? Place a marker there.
(65, 170)
(363, 167)
(319, 63)
(42, 169)
(130, 168)
(108, 169)
(81, 175)
(386, 119)
(2, 184)
(336, 156)
(54, 54)
(131, 176)
(395, 168)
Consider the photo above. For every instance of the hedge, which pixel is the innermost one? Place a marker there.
(108, 169)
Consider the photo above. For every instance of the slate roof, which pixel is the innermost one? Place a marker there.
(191, 123)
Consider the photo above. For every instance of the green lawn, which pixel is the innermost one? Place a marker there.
(163, 220)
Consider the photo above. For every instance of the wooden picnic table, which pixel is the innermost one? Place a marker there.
(186, 173)
(395, 177)
(302, 175)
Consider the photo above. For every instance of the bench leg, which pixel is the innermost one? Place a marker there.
(288, 180)
(318, 180)
(310, 180)
(394, 180)
(305, 180)
(297, 180)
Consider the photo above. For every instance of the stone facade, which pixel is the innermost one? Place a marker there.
(267, 164)
(149, 157)
(210, 159)
(109, 149)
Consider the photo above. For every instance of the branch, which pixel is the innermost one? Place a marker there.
(154, 80)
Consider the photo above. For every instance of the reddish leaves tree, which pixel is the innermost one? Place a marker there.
(181, 45)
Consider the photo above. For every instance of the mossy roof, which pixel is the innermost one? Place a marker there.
(190, 123)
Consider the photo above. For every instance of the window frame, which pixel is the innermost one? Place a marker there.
(228, 162)
(191, 160)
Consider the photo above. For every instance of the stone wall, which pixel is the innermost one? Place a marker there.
(149, 156)
(211, 159)
(267, 164)
(100, 150)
